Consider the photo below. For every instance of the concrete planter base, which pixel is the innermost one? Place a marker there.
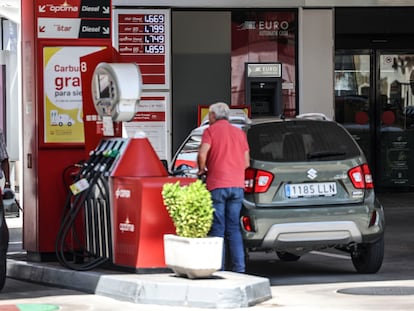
(193, 257)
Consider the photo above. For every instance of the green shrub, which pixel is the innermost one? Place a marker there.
(190, 208)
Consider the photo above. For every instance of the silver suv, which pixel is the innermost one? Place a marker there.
(308, 188)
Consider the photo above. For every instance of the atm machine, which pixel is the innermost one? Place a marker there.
(264, 88)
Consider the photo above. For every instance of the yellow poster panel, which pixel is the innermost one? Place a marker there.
(203, 111)
(63, 121)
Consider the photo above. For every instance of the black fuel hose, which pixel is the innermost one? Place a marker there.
(95, 172)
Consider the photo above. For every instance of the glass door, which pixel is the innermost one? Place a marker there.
(374, 100)
(395, 143)
(353, 97)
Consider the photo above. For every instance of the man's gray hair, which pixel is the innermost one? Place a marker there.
(221, 110)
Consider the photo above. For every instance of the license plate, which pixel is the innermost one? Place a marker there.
(310, 189)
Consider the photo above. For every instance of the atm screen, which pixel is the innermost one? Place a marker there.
(263, 98)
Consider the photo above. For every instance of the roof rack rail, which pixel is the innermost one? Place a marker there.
(313, 116)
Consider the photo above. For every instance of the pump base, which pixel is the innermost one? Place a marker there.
(155, 270)
(40, 257)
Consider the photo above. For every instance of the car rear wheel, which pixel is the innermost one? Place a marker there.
(284, 256)
(368, 257)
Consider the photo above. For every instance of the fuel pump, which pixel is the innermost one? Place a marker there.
(84, 239)
(114, 212)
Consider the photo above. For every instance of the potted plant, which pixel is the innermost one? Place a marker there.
(190, 252)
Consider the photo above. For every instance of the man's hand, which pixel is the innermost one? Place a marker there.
(202, 171)
(7, 195)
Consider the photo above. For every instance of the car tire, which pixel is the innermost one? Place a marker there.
(368, 257)
(3, 270)
(284, 256)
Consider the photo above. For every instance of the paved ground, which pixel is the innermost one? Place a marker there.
(318, 283)
(223, 290)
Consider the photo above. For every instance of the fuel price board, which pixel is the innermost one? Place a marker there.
(143, 36)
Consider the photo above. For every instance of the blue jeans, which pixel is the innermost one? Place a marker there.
(227, 203)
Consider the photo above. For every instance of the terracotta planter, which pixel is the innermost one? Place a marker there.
(193, 257)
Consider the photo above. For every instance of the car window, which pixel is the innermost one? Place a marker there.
(188, 153)
(303, 140)
(186, 156)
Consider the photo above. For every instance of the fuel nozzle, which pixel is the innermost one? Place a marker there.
(8, 196)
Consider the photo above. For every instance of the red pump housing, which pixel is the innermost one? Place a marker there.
(139, 217)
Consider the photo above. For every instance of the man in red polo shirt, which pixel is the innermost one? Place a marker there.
(223, 156)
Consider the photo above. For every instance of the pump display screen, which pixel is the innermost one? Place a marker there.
(105, 87)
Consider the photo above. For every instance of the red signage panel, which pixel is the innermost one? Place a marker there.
(72, 19)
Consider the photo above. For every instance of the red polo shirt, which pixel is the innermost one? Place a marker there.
(225, 159)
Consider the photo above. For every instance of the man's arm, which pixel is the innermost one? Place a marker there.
(202, 158)
(246, 159)
(6, 171)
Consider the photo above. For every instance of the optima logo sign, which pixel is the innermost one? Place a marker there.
(63, 8)
(126, 227)
(66, 8)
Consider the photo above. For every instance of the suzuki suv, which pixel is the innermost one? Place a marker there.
(308, 188)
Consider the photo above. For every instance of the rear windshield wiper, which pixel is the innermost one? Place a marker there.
(323, 154)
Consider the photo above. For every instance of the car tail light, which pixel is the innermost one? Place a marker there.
(361, 177)
(247, 224)
(257, 181)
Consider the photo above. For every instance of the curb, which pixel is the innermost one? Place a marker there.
(223, 290)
